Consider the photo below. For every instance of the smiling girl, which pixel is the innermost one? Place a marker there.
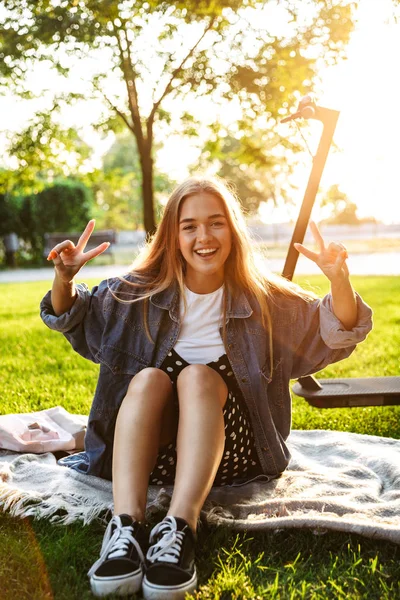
(196, 349)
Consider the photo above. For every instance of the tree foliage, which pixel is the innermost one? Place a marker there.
(160, 54)
(257, 171)
(342, 210)
(41, 152)
(116, 187)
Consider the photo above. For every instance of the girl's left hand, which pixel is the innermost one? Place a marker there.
(331, 260)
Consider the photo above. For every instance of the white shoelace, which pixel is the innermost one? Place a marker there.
(116, 544)
(169, 547)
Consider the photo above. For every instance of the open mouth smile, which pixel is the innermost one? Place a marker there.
(206, 252)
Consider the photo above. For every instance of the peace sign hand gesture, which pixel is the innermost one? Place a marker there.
(331, 260)
(69, 259)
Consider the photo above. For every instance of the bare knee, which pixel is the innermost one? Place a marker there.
(150, 397)
(200, 375)
(203, 379)
(150, 381)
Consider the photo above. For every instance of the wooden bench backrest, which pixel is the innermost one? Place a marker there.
(97, 237)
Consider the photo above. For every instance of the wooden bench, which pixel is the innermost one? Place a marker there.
(97, 237)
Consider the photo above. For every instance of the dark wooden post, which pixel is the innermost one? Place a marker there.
(329, 118)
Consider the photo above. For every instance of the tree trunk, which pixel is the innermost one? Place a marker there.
(146, 163)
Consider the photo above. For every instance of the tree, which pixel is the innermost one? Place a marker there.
(343, 211)
(167, 51)
(116, 186)
(257, 173)
(42, 152)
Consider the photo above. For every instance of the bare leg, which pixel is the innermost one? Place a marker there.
(146, 420)
(202, 394)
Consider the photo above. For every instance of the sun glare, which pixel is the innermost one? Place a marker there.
(366, 88)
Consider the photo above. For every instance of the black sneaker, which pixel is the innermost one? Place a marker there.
(119, 570)
(171, 572)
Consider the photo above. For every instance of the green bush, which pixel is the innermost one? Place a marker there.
(9, 217)
(63, 207)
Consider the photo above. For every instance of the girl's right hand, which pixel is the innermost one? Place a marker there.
(69, 259)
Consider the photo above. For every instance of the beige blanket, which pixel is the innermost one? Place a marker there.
(336, 480)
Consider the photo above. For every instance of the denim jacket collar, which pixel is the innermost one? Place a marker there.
(238, 307)
(168, 299)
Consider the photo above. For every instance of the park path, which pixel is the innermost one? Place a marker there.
(379, 263)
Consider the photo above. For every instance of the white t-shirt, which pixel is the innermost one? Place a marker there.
(199, 340)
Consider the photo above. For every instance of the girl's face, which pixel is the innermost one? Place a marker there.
(205, 241)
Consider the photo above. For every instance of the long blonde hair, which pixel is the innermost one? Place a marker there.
(160, 264)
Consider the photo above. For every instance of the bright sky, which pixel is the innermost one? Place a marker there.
(365, 88)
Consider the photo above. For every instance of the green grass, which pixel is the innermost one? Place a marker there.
(38, 369)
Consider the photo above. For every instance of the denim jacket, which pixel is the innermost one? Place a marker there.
(306, 337)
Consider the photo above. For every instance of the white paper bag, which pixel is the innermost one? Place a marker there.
(43, 431)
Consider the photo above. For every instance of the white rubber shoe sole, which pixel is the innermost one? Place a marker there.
(125, 585)
(152, 591)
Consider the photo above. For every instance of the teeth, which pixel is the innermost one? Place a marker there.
(209, 251)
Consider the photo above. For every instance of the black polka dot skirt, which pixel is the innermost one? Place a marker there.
(239, 461)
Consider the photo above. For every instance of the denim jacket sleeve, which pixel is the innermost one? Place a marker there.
(83, 324)
(319, 338)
